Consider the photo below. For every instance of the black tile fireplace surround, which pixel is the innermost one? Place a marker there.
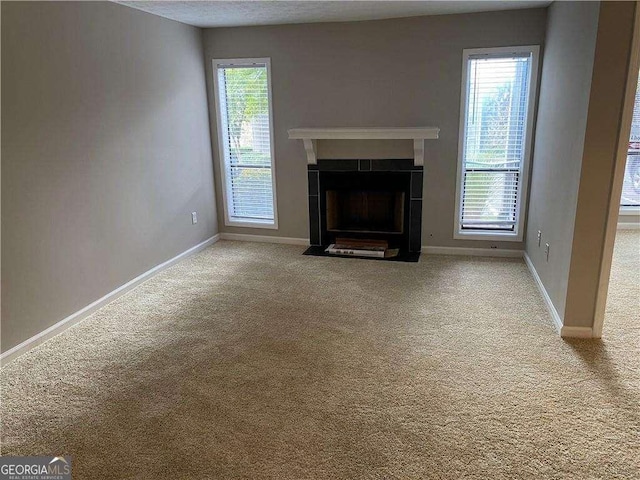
(369, 199)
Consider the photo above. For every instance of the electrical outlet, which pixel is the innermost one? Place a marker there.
(546, 250)
(539, 237)
(194, 218)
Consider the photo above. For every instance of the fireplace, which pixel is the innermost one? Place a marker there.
(368, 200)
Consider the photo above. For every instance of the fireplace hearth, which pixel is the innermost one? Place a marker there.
(368, 200)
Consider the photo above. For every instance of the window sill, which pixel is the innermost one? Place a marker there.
(251, 224)
(630, 211)
(488, 236)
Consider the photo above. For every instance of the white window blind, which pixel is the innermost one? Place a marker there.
(245, 137)
(493, 143)
(631, 184)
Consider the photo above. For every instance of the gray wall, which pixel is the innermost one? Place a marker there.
(559, 142)
(105, 152)
(579, 120)
(401, 72)
(606, 101)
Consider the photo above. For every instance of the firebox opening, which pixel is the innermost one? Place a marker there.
(365, 211)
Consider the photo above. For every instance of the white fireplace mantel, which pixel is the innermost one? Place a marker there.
(309, 136)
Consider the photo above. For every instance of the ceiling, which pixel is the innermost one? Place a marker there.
(244, 13)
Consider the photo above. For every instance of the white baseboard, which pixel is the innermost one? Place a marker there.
(477, 252)
(565, 331)
(555, 316)
(576, 332)
(628, 226)
(481, 252)
(80, 315)
(245, 237)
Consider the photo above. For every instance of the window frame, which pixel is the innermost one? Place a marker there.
(630, 210)
(518, 233)
(627, 210)
(228, 221)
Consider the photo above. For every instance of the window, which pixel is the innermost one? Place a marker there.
(630, 199)
(245, 138)
(498, 92)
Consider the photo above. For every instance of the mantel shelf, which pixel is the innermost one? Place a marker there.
(309, 136)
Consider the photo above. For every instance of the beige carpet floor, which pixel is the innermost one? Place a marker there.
(253, 361)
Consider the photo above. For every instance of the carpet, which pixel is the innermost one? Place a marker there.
(254, 361)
